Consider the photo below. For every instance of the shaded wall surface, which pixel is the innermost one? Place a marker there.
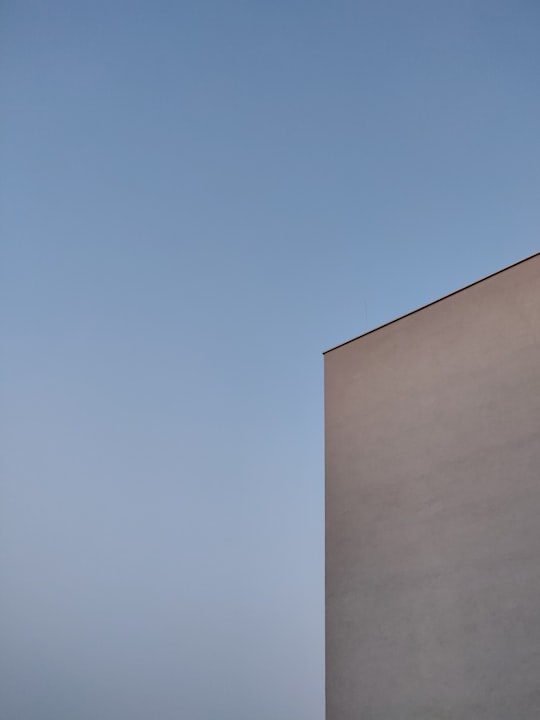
(433, 510)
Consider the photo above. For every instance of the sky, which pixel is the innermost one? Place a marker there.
(196, 200)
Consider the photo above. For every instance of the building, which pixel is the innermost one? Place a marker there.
(433, 510)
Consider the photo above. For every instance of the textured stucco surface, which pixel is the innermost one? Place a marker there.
(433, 510)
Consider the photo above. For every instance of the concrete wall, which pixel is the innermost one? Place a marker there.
(433, 510)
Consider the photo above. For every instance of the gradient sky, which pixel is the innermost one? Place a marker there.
(197, 198)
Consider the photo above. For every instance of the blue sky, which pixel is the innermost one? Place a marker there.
(197, 199)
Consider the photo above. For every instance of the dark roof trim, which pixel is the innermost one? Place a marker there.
(434, 302)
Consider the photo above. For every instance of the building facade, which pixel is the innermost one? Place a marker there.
(432, 429)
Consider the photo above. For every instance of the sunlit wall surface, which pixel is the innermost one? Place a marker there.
(433, 510)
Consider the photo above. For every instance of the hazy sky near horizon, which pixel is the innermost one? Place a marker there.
(197, 198)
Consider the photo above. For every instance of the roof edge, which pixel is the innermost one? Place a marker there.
(433, 302)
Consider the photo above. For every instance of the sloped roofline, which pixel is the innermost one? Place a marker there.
(433, 302)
